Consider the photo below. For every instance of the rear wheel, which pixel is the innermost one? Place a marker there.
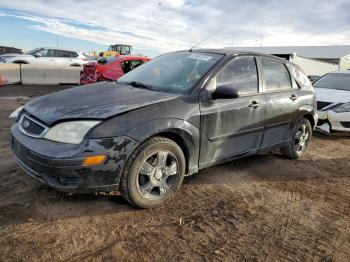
(154, 173)
(299, 141)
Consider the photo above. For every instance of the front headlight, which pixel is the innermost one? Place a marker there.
(71, 132)
(342, 108)
(16, 114)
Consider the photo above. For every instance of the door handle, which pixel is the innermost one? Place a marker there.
(293, 97)
(254, 104)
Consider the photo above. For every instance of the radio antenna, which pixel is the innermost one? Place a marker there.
(208, 37)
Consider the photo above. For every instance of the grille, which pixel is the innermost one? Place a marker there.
(321, 105)
(69, 181)
(31, 127)
(20, 151)
(345, 124)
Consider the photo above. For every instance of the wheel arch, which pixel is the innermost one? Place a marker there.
(20, 62)
(180, 141)
(311, 119)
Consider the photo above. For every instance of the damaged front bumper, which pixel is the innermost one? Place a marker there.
(61, 166)
(332, 121)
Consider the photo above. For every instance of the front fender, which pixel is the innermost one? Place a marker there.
(188, 133)
(140, 131)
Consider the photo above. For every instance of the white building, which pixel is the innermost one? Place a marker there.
(314, 60)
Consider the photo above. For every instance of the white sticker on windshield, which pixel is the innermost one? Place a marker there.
(200, 57)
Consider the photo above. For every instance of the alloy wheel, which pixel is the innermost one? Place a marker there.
(301, 139)
(157, 175)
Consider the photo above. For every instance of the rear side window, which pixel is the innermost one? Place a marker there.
(241, 74)
(64, 53)
(275, 75)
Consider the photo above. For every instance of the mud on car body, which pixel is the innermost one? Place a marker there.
(177, 114)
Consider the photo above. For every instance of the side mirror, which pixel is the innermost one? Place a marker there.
(225, 92)
(37, 55)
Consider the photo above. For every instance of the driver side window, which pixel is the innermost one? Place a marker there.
(241, 73)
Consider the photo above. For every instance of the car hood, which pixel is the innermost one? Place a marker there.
(332, 95)
(95, 101)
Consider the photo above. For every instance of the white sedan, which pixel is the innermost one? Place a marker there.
(47, 56)
(333, 101)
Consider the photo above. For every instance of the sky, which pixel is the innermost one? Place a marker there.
(154, 27)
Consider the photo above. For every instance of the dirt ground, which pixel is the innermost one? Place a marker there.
(262, 208)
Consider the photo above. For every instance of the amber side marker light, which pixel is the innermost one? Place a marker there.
(94, 160)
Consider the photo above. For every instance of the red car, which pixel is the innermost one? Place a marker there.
(110, 68)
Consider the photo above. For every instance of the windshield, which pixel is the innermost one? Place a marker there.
(174, 72)
(33, 51)
(108, 60)
(334, 81)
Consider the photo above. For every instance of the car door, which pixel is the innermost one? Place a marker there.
(63, 57)
(282, 103)
(234, 126)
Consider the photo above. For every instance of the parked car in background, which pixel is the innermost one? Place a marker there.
(179, 113)
(12, 50)
(110, 68)
(333, 101)
(46, 56)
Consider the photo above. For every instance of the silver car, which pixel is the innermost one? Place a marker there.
(47, 56)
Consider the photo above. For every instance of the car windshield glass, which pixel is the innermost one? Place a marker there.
(33, 51)
(174, 72)
(334, 81)
(112, 59)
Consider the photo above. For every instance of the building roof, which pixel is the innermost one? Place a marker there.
(318, 52)
(231, 51)
(341, 72)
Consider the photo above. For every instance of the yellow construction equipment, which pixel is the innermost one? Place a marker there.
(117, 49)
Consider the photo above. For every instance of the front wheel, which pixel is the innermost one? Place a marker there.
(153, 173)
(299, 141)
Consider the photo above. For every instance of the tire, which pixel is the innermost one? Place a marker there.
(300, 140)
(150, 177)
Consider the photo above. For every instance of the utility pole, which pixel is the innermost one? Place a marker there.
(56, 41)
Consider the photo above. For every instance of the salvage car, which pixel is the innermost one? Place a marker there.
(333, 101)
(175, 115)
(46, 56)
(110, 68)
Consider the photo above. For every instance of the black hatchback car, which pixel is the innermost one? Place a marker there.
(179, 113)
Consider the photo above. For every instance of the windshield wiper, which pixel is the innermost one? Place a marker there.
(137, 84)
